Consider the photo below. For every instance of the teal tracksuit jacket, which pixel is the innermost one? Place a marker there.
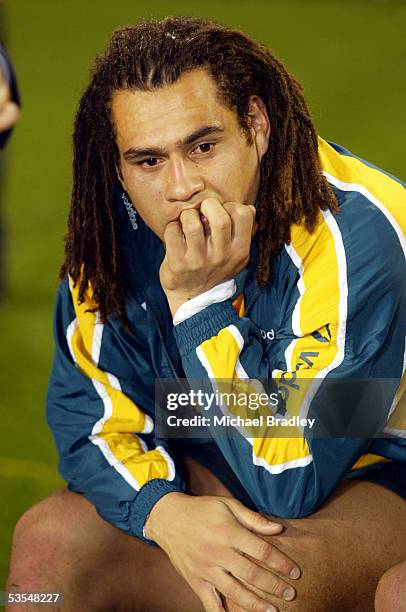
(334, 308)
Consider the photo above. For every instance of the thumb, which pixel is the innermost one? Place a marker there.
(254, 521)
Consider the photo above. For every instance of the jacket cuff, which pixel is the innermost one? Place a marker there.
(146, 499)
(204, 325)
(220, 293)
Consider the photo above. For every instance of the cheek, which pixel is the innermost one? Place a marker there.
(134, 181)
(239, 178)
(141, 190)
(150, 209)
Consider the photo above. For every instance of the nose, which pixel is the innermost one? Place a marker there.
(183, 181)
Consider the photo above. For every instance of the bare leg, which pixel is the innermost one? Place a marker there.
(62, 545)
(391, 592)
(343, 549)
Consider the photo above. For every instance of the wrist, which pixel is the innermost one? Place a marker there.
(155, 525)
(175, 301)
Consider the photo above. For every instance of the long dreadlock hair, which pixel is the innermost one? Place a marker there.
(154, 54)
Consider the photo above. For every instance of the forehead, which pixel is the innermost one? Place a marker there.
(168, 114)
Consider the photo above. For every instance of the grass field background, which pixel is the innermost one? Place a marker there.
(349, 55)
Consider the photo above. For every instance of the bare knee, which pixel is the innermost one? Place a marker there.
(40, 538)
(61, 545)
(391, 590)
(331, 581)
(49, 552)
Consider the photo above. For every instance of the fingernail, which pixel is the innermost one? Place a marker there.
(271, 610)
(288, 593)
(295, 573)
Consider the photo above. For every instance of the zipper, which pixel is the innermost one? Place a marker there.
(161, 336)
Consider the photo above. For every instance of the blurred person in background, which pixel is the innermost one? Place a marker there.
(9, 98)
(9, 115)
(190, 134)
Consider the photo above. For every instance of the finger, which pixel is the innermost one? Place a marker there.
(9, 116)
(175, 243)
(193, 231)
(245, 569)
(266, 553)
(220, 227)
(258, 592)
(231, 606)
(242, 217)
(254, 521)
(237, 592)
(210, 598)
(241, 235)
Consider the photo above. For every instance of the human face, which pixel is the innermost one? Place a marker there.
(179, 145)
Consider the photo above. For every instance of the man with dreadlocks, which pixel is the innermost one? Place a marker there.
(213, 235)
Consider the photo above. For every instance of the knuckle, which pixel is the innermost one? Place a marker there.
(242, 211)
(229, 206)
(221, 224)
(196, 265)
(258, 519)
(219, 260)
(192, 229)
(264, 551)
(172, 227)
(239, 253)
(209, 202)
(231, 592)
(274, 586)
(251, 572)
(243, 260)
(205, 549)
(238, 593)
(253, 605)
(176, 266)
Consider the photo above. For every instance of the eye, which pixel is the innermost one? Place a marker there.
(151, 162)
(204, 147)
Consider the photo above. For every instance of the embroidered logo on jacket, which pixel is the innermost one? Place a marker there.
(267, 335)
(132, 215)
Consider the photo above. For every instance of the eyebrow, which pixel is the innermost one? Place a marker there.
(208, 130)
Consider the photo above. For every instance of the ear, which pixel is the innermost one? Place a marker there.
(259, 124)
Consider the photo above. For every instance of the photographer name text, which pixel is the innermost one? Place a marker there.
(269, 420)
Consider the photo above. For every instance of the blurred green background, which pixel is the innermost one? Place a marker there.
(349, 55)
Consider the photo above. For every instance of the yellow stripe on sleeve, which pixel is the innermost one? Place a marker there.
(220, 357)
(321, 308)
(115, 432)
(388, 192)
